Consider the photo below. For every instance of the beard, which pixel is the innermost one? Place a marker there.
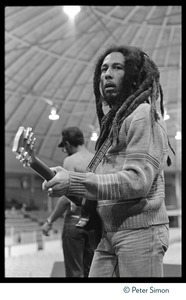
(117, 98)
(110, 100)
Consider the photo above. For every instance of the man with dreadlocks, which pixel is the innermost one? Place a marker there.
(125, 176)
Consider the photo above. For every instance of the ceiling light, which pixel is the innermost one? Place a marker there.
(166, 116)
(53, 114)
(71, 10)
(178, 135)
(94, 136)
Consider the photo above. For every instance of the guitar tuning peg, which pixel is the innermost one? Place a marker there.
(30, 138)
(21, 150)
(26, 159)
(29, 161)
(18, 156)
(21, 154)
(32, 144)
(27, 132)
(26, 164)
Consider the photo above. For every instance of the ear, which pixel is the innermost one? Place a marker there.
(68, 144)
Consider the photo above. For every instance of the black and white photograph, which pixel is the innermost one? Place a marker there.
(93, 145)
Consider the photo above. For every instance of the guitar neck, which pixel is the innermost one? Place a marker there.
(39, 167)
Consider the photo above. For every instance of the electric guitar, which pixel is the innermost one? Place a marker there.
(24, 148)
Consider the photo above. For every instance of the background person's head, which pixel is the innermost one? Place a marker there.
(72, 137)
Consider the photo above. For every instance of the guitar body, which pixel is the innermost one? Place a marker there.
(90, 220)
(94, 225)
(23, 147)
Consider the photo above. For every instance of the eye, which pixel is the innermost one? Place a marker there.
(103, 69)
(118, 67)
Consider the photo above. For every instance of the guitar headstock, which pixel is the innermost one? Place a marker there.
(23, 146)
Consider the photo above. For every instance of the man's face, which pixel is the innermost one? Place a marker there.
(112, 73)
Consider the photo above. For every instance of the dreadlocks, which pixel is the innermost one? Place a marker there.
(140, 84)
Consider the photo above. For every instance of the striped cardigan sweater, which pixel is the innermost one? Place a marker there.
(129, 181)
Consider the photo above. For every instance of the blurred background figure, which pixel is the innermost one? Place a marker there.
(76, 247)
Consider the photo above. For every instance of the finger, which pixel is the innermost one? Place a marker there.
(44, 188)
(51, 192)
(56, 169)
(48, 184)
(54, 193)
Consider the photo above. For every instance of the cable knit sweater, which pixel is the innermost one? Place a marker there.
(129, 182)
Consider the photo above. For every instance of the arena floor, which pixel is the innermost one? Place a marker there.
(41, 263)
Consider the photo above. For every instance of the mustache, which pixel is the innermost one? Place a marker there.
(109, 84)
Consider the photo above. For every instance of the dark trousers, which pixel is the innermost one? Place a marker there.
(76, 248)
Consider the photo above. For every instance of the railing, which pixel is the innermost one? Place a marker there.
(27, 228)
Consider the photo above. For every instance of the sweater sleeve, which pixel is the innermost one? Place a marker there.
(143, 158)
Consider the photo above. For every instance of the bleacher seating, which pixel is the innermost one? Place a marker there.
(26, 227)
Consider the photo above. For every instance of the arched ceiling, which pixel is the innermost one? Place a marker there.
(49, 57)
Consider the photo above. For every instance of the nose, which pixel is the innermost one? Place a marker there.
(108, 73)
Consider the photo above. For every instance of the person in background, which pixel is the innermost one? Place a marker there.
(23, 208)
(126, 176)
(76, 246)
